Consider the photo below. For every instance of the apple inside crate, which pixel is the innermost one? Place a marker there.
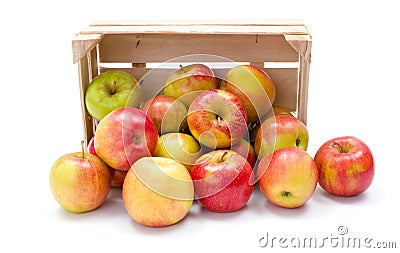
(151, 51)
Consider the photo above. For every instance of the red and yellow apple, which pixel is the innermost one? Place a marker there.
(167, 113)
(157, 191)
(223, 181)
(287, 177)
(123, 136)
(217, 119)
(187, 82)
(253, 87)
(345, 165)
(254, 126)
(279, 132)
(80, 182)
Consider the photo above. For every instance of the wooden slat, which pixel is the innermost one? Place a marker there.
(256, 22)
(164, 47)
(303, 89)
(153, 80)
(197, 29)
(84, 81)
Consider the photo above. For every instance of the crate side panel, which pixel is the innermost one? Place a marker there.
(123, 48)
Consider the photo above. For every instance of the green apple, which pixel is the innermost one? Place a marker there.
(181, 147)
(278, 132)
(187, 82)
(253, 87)
(111, 90)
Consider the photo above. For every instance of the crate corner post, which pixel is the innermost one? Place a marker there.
(84, 48)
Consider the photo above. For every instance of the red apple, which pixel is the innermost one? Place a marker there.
(345, 166)
(80, 182)
(92, 151)
(217, 119)
(157, 191)
(188, 81)
(167, 113)
(123, 136)
(253, 87)
(223, 181)
(287, 177)
(279, 132)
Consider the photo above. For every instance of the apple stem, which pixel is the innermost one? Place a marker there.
(180, 65)
(83, 149)
(337, 146)
(114, 87)
(219, 120)
(223, 156)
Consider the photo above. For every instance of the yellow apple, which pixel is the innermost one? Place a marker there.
(157, 191)
(181, 147)
(253, 87)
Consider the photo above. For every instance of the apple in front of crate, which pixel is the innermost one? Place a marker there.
(181, 147)
(287, 177)
(167, 113)
(188, 81)
(245, 149)
(253, 87)
(345, 165)
(223, 181)
(279, 132)
(217, 119)
(157, 191)
(111, 90)
(124, 136)
(80, 182)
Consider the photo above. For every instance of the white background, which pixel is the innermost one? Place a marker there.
(353, 90)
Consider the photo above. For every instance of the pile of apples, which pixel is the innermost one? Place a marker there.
(200, 139)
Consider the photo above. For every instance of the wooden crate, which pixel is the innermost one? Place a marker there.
(282, 48)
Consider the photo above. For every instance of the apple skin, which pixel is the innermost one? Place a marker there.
(254, 126)
(217, 119)
(345, 165)
(167, 113)
(244, 148)
(181, 147)
(157, 191)
(111, 90)
(223, 181)
(253, 87)
(92, 151)
(80, 182)
(287, 177)
(124, 136)
(187, 82)
(279, 132)
(118, 178)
